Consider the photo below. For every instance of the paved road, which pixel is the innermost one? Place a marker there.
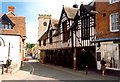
(37, 71)
(60, 73)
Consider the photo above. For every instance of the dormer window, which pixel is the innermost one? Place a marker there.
(5, 26)
(6, 23)
(45, 24)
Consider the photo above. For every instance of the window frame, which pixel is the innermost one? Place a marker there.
(66, 33)
(6, 26)
(44, 42)
(85, 30)
(111, 29)
(112, 2)
(39, 42)
(50, 36)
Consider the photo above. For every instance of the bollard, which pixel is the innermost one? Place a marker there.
(86, 69)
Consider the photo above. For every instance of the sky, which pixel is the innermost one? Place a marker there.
(32, 8)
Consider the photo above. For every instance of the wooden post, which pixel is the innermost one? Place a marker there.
(74, 59)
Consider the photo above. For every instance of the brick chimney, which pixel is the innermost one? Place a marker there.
(11, 8)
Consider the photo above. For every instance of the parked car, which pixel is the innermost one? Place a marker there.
(26, 59)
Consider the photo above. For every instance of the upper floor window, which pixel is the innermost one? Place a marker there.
(44, 23)
(85, 30)
(66, 33)
(44, 42)
(114, 22)
(50, 38)
(113, 1)
(5, 25)
(39, 42)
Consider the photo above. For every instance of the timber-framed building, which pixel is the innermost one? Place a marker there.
(68, 41)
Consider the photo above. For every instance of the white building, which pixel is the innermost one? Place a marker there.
(10, 47)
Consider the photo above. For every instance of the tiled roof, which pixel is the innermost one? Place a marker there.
(10, 13)
(88, 8)
(57, 32)
(71, 12)
(54, 23)
(44, 36)
(1, 16)
(55, 26)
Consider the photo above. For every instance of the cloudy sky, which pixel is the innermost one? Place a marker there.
(31, 8)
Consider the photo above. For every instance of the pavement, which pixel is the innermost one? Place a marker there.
(23, 75)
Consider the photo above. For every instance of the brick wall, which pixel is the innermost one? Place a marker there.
(103, 22)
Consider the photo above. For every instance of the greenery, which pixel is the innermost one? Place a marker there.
(30, 45)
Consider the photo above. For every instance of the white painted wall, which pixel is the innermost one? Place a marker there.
(15, 48)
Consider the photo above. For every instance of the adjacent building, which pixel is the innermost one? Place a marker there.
(108, 33)
(12, 37)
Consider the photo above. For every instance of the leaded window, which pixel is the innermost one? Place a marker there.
(66, 33)
(50, 36)
(44, 42)
(85, 28)
(5, 23)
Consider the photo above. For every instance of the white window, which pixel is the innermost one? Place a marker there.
(113, 1)
(114, 24)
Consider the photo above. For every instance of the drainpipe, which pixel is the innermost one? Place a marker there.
(8, 51)
(8, 62)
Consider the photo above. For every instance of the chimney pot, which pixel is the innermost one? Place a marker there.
(11, 8)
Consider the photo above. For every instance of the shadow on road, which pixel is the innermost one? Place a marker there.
(60, 73)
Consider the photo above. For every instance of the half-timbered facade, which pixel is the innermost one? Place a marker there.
(70, 43)
(83, 34)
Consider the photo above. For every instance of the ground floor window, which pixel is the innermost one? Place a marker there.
(110, 52)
